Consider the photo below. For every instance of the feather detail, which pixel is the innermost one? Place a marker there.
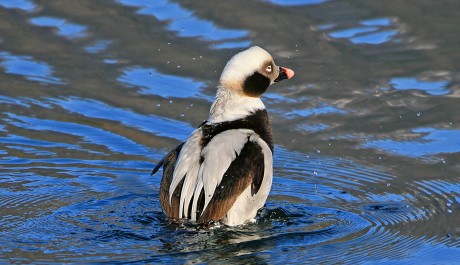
(248, 203)
(189, 156)
(218, 155)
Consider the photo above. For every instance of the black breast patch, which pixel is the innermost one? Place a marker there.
(256, 84)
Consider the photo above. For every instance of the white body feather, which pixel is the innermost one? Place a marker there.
(246, 206)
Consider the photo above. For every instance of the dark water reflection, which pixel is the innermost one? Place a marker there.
(93, 93)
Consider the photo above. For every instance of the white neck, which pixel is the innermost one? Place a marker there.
(230, 105)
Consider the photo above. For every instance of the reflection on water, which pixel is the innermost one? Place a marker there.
(161, 126)
(152, 82)
(94, 93)
(20, 4)
(430, 87)
(429, 141)
(373, 31)
(28, 67)
(66, 29)
(98, 46)
(186, 24)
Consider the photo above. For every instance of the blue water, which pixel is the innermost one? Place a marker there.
(366, 166)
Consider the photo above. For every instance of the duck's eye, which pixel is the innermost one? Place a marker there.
(269, 68)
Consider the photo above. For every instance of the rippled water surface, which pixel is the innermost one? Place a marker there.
(367, 160)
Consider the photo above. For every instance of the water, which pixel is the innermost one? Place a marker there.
(94, 93)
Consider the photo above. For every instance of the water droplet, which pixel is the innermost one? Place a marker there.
(178, 66)
(182, 114)
(318, 151)
(171, 101)
(158, 104)
(449, 211)
(443, 161)
(315, 173)
(418, 114)
(388, 184)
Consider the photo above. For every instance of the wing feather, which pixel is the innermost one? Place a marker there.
(189, 158)
(218, 155)
(247, 169)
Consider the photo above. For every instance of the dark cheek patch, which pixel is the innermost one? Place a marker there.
(256, 84)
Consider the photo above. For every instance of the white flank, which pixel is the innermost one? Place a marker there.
(246, 206)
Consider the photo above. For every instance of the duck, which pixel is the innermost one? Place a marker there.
(223, 172)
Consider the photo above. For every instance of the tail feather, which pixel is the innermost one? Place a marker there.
(158, 166)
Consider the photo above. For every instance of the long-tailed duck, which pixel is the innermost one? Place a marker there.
(224, 171)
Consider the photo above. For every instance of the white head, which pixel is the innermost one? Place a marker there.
(251, 71)
(244, 79)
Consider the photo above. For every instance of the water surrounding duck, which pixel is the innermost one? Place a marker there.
(366, 135)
